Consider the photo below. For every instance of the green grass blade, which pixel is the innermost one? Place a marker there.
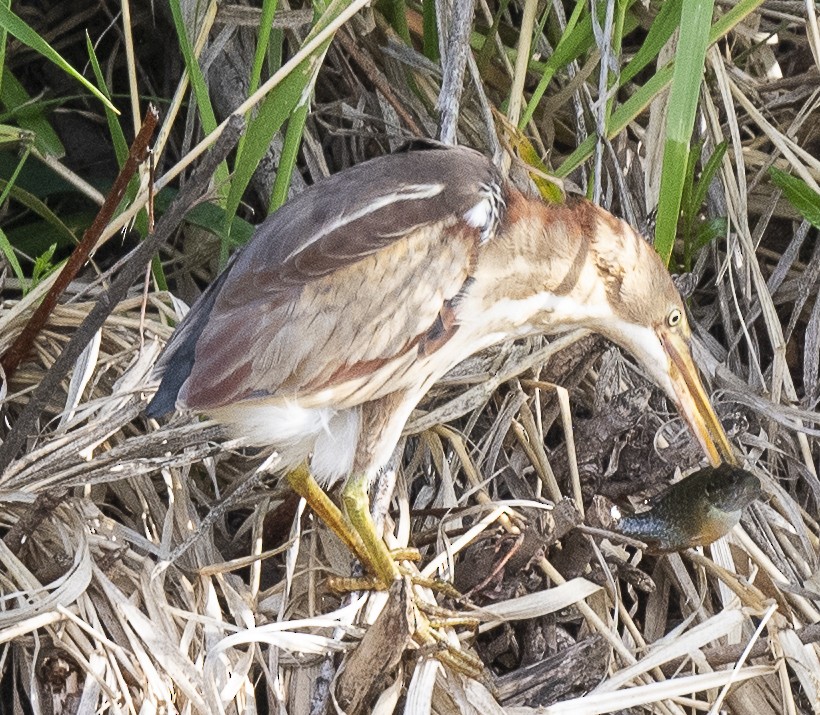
(121, 151)
(396, 13)
(696, 19)
(114, 128)
(15, 26)
(800, 195)
(287, 160)
(640, 100)
(29, 115)
(11, 257)
(31, 202)
(3, 36)
(261, 52)
(272, 114)
(198, 85)
(430, 40)
(265, 28)
(708, 173)
(576, 40)
(17, 169)
(293, 92)
(5, 245)
(620, 119)
(659, 33)
(733, 17)
(14, 137)
(200, 90)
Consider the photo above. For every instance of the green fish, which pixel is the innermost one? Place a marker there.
(695, 511)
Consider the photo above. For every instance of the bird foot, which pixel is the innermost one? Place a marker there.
(432, 639)
(431, 621)
(439, 617)
(348, 584)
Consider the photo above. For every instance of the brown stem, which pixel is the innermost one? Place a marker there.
(139, 150)
(379, 81)
(131, 271)
(723, 655)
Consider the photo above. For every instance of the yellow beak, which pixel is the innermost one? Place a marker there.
(692, 401)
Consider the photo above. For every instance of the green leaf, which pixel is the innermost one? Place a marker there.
(664, 24)
(27, 35)
(710, 231)
(800, 195)
(34, 204)
(32, 237)
(30, 116)
(696, 19)
(210, 217)
(11, 137)
(31, 202)
(43, 265)
(11, 257)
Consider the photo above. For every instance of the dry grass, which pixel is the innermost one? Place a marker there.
(153, 567)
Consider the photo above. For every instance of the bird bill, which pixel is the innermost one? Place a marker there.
(693, 402)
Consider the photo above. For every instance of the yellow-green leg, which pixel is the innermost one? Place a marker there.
(357, 531)
(303, 483)
(376, 557)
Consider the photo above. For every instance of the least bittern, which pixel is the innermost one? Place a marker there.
(324, 332)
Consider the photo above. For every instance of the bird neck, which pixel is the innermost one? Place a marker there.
(541, 274)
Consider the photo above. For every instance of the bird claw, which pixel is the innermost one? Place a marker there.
(439, 617)
(431, 621)
(348, 584)
(434, 642)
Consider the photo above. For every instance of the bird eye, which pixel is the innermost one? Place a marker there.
(674, 318)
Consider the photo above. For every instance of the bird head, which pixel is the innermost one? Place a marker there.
(648, 319)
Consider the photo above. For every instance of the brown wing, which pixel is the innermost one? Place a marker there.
(352, 274)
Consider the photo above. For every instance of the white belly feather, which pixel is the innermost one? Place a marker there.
(296, 432)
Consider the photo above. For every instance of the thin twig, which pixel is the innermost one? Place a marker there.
(725, 654)
(379, 81)
(131, 271)
(139, 150)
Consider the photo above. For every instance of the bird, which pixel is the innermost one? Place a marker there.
(351, 300)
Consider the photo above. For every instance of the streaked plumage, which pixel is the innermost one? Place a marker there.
(355, 297)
